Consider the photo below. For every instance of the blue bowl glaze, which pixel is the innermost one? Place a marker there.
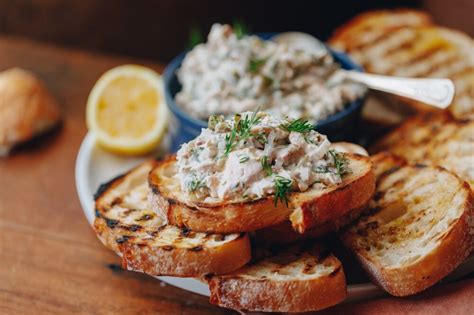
(338, 127)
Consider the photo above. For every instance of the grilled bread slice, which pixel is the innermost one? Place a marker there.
(126, 224)
(434, 139)
(283, 233)
(302, 277)
(419, 227)
(407, 44)
(306, 209)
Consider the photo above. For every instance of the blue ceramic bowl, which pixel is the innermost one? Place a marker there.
(338, 127)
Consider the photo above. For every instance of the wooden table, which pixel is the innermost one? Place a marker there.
(50, 259)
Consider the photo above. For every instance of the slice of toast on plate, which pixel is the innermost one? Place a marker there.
(299, 278)
(283, 233)
(434, 139)
(407, 44)
(305, 210)
(420, 227)
(126, 224)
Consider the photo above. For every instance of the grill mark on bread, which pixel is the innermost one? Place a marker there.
(132, 228)
(419, 165)
(422, 56)
(116, 201)
(145, 217)
(197, 248)
(129, 211)
(105, 186)
(111, 223)
(122, 239)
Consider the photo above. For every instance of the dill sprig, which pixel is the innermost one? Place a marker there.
(195, 37)
(240, 29)
(196, 184)
(241, 131)
(282, 189)
(255, 65)
(298, 125)
(267, 167)
(340, 164)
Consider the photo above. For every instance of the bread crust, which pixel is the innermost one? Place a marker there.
(455, 244)
(243, 291)
(335, 202)
(309, 208)
(27, 108)
(149, 246)
(436, 139)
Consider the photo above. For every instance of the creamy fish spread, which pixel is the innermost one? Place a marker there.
(229, 75)
(255, 155)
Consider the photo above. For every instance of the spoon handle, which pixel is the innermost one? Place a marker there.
(435, 92)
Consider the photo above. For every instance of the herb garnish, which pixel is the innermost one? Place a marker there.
(298, 125)
(240, 29)
(255, 65)
(195, 37)
(340, 164)
(196, 184)
(282, 189)
(243, 158)
(267, 167)
(241, 131)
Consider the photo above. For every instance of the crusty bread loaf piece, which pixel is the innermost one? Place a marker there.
(27, 108)
(407, 44)
(302, 277)
(418, 229)
(306, 209)
(126, 224)
(434, 139)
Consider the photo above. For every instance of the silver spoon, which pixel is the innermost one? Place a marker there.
(435, 92)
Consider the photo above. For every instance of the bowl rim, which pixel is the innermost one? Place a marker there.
(170, 72)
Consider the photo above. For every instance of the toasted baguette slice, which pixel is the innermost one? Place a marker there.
(306, 209)
(126, 224)
(418, 229)
(407, 44)
(434, 139)
(300, 278)
(367, 28)
(283, 233)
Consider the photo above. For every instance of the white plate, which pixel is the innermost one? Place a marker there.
(95, 166)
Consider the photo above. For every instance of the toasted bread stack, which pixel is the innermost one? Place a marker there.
(407, 238)
(157, 229)
(407, 43)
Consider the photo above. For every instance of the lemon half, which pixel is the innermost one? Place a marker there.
(126, 110)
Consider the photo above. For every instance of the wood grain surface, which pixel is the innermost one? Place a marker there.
(50, 260)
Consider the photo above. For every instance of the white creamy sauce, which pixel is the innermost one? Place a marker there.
(218, 166)
(229, 75)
